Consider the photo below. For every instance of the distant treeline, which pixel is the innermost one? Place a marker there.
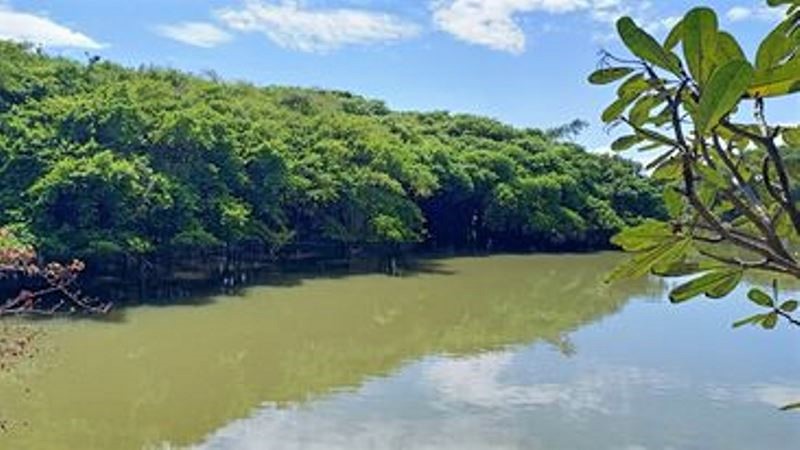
(96, 159)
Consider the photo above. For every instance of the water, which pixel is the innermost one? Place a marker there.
(516, 352)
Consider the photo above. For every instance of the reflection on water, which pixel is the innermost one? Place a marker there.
(501, 352)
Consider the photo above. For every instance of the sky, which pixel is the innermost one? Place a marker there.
(524, 62)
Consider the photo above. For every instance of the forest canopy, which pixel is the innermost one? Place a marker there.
(97, 158)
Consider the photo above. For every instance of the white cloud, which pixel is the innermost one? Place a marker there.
(290, 24)
(496, 23)
(493, 23)
(762, 13)
(199, 34)
(738, 13)
(25, 27)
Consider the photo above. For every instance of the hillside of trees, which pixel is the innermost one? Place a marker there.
(96, 158)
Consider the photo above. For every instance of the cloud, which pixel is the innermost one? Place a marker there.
(496, 23)
(761, 13)
(493, 23)
(25, 27)
(291, 25)
(199, 34)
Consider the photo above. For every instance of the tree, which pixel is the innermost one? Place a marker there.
(731, 185)
(153, 164)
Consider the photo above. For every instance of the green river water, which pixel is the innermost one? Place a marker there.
(511, 352)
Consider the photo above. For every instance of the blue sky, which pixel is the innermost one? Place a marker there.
(521, 61)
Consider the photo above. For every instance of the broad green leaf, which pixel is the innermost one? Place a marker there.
(640, 112)
(760, 298)
(675, 36)
(728, 49)
(662, 117)
(669, 171)
(700, 30)
(651, 146)
(715, 284)
(609, 75)
(645, 46)
(625, 142)
(791, 136)
(781, 80)
(782, 2)
(673, 201)
(770, 321)
(727, 285)
(708, 193)
(683, 268)
(752, 320)
(774, 48)
(660, 160)
(646, 236)
(789, 306)
(712, 176)
(668, 251)
(641, 109)
(616, 109)
(722, 93)
(656, 137)
(633, 86)
(689, 104)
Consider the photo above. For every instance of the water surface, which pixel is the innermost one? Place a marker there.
(530, 352)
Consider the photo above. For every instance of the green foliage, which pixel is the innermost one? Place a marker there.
(699, 36)
(722, 94)
(715, 284)
(102, 159)
(731, 187)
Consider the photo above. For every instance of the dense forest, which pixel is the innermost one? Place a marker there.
(96, 158)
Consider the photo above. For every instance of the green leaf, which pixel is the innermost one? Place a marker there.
(673, 201)
(683, 268)
(662, 117)
(726, 286)
(646, 236)
(712, 176)
(640, 112)
(770, 321)
(760, 298)
(728, 49)
(791, 136)
(722, 94)
(715, 284)
(645, 46)
(781, 80)
(782, 2)
(634, 86)
(669, 171)
(774, 48)
(752, 320)
(641, 264)
(675, 36)
(625, 142)
(656, 137)
(700, 31)
(616, 109)
(790, 306)
(609, 75)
